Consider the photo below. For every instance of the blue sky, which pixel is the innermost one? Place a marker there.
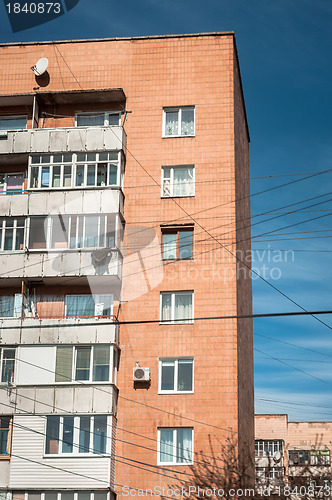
(285, 53)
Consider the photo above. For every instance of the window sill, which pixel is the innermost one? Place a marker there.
(178, 196)
(176, 260)
(176, 322)
(176, 136)
(175, 392)
(5, 456)
(174, 464)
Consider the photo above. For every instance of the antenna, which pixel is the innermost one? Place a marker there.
(277, 456)
(40, 67)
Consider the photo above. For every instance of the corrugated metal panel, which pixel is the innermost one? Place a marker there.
(26, 473)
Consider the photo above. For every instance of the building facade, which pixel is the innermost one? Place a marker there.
(286, 450)
(125, 221)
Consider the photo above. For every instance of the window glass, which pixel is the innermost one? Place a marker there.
(167, 375)
(63, 366)
(7, 306)
(184, 445)
(166, 306)
(185, 244)
(80, 305)
(114, 119)
(100, 432)
(8, 365)
(84, 444)
(100, 495)
(4, 432)
(52, 434)
(83, 363)
(187, 122)
(101, 363)
(45, 177)
(91, 231)
(91, 175)
(169, 245)
(16, 123)
(67, 495)
(166, 445)
(56, 180)
(34, 177)
(185, 375)
(60, 231)
(37, 236)
(183, 306)
(172, 123)
(95, 120)
(15, 182)
(68, 434)
(51, 495)
(67, 175)
(79, 175)
(182, 181)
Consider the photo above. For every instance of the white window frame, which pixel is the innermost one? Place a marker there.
(80, 217)
(94, 113)
(172, 168)
(112, 367)
(15, 117)
(8, 174)
(13, 348)
(176, 371)
(76, 427)
(266, 443)
(173, 321)
(14, 229)
(177, 109)
(59, 492)
(174, 462)
(74, 164)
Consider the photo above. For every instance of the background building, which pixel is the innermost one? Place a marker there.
(288, 449)
(125, 217)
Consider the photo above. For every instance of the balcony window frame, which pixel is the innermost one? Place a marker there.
(172, 168)
(58, 493)
(74, 163)
(178, 109)
(76, 436)
(176, 231)
(9, 432)
(267, 447)
(95, 113)
(4, 228)
(176, 375)
(79, 220)
(112, 365)
(174, 462)
(12, 118)
(174, 321)
(2, 361)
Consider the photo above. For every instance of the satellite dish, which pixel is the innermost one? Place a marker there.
(40, 66)
(277, 456)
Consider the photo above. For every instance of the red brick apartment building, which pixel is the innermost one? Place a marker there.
(287, 449)
(124, 178)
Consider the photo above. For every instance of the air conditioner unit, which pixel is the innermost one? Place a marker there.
(141, 374)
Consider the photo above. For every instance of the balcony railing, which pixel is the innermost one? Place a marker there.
(32, 141)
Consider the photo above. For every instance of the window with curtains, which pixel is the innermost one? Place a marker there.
(177, 307)
(75, 231)
(178, 181)
(86, 363)
(175, 446)
(7, 364)
(88, 305)
(77, 170)
(176, 375)
(98, 119)
(177, 243)
(77, 435)
(13, 122)
(12, 233)
(179, 122)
